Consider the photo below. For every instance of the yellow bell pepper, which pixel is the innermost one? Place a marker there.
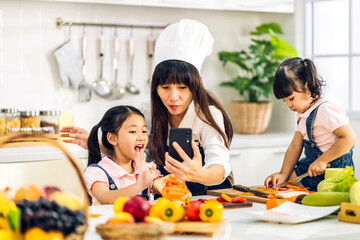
(172, 212)
(211, 211)
(155, 209)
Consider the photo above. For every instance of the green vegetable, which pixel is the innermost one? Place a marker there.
(14, 217)
(342, 182)
(326, 198)
(355, 193)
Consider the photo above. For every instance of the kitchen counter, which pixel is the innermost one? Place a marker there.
(261, 140)
(43, 153)
(39, 153)
(243, 226)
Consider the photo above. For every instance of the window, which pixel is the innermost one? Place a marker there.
(333, 42)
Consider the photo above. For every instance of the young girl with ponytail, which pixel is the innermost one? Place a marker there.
(123, 171)
(322, 128)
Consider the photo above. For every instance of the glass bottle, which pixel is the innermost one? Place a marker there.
(12, 119)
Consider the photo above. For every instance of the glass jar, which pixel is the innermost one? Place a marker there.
(12, 118)
(50, 118)
(30, 119)
(2, 124)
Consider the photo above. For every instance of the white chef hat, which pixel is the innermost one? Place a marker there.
(186, 40)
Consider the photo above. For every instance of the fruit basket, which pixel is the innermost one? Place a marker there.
(46, 209)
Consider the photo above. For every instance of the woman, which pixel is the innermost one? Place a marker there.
(179, 99)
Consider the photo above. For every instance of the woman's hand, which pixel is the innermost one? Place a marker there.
(146, 175)
(275, 179)
(79, 135)
(190, 169)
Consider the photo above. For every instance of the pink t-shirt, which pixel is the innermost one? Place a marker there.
(120, 177)
(329, 117)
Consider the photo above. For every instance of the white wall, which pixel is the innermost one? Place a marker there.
(28, 36)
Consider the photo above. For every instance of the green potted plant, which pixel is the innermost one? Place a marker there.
(255, 80)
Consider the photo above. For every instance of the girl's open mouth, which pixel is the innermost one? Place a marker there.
(139, 147)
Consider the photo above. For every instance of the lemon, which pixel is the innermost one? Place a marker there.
(119, 204)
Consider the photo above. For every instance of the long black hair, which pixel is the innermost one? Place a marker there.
(293, 74)
(110, 123)
(180, 72)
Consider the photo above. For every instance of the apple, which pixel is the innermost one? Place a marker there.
(138, 207)
(51, 189)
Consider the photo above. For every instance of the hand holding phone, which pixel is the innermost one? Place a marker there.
(183, 137)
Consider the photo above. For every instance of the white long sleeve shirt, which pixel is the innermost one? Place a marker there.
(213, 144)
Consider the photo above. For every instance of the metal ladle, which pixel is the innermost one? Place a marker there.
(118, 91)
(84, 94)
(102, 87)
(130, 88)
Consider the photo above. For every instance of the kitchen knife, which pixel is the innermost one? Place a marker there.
(247, 189)
(295, 180)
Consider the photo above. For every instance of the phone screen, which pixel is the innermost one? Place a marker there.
(183, 137)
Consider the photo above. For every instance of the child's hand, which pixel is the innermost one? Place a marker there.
(275, 179)
(317, 168)
(79, 136)
(146, 175)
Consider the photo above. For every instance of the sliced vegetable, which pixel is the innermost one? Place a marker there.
(272, 203)
(226, 197)
(355, 193)
(211, 211)
(238, 199)
(326, 198)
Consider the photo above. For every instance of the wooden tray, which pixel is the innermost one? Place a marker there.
(200, 228)
(349, 212)
(233, 193)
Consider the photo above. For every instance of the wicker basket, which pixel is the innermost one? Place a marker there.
(6, 141)
(251, 118)
(137, 231)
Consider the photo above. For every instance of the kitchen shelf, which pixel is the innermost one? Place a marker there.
(271, 6)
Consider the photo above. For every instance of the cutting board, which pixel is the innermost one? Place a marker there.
(209, 229)
(245, 204)
(233, 193)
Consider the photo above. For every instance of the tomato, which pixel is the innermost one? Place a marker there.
(238, 199)
(193, 212)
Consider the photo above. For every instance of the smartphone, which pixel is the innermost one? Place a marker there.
(183, 137)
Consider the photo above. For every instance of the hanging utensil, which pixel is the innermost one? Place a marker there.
(84, 94)
(102, 87)
(150, 54)
(130, 88)
(118, 90)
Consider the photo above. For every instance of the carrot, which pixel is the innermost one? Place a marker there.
(272, 203)
(248, 194)
(226, 197)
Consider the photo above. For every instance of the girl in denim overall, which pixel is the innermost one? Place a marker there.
(123, 171)
(322, 130)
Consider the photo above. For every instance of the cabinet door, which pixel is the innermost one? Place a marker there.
(252, 165)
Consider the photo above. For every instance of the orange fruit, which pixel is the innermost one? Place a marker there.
(30, 192)
(39, 234)
(123, 217)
